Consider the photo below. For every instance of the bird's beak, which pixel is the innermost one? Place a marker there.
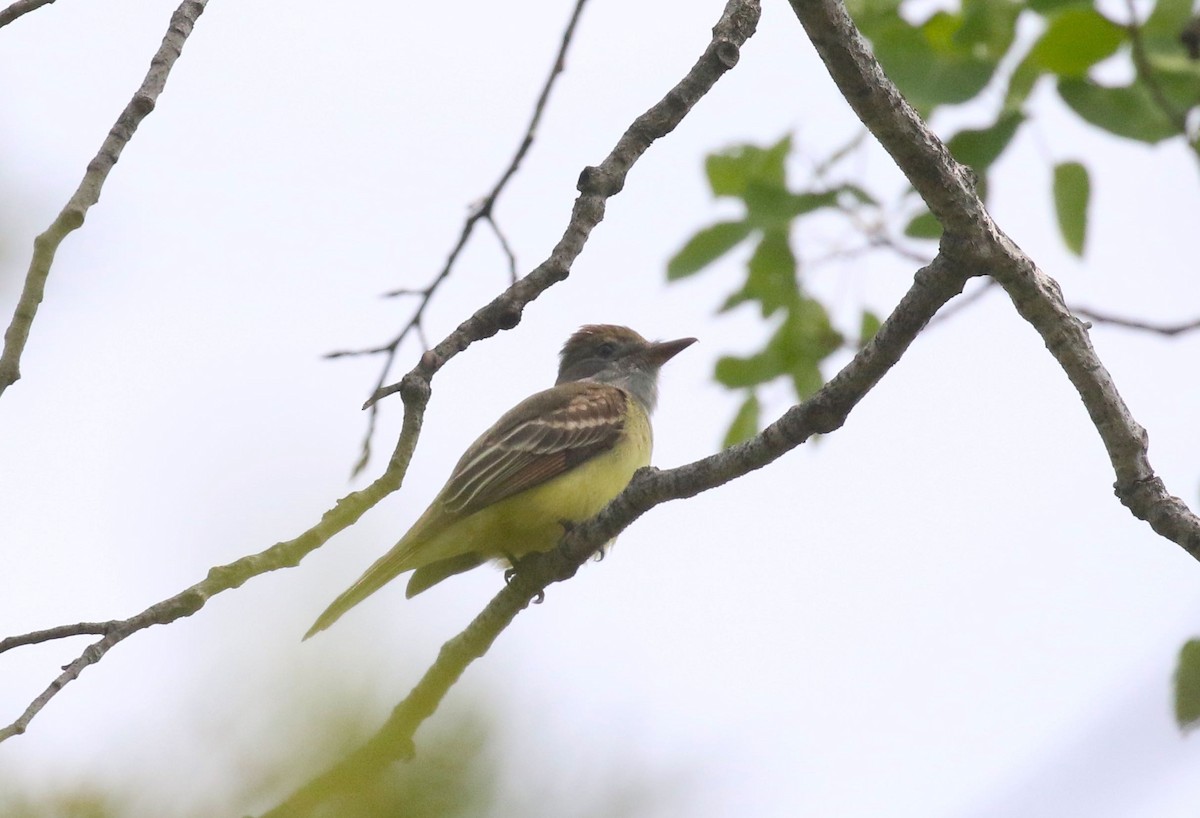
(659, 352)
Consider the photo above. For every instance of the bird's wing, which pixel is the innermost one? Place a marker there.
(544, 436)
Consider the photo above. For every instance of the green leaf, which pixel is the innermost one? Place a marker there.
(1076, 39)
(927, 64)
(774, 207)
(809, 201)
(923, 226)
(1072, 190)
(768, 208)
(1127, 111)
(988, 27)
(1179, 82)
(869, 14)
(806, 379)
(745, 423)
(737, 373)
(771, 275)
(1021, 83)
(817, 332)
(733, 171)
(806, 338)
(980, 148)
(870, 325)
(1187, 685)
(705, 247)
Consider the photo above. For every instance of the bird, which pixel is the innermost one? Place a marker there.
(556, 458)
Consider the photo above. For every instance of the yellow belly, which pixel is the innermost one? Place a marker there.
(532, 520)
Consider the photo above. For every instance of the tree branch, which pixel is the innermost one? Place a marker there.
(88, 193)
(596, 185)
(973, 240)
(1169, 330)
(19, 9)
(60, 632)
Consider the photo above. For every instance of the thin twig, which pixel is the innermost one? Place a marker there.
(875, 231)
(19, 9)
(88, 192)
(504, 245)
(482, 210)
(61, 632)
(853, 145)
(1096, 317)
(1132, 323)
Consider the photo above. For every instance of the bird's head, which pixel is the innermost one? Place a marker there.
(617, 355)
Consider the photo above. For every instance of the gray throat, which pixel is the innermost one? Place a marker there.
(640, 383)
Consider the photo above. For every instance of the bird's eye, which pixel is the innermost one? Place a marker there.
(606, 350)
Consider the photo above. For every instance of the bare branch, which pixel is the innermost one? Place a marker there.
(88, 193)
(972, 240)
(61, 632)
(482, 210)
(596, 185)
(506, 247)
(878, 237)
(19, 9)
(1134, 323)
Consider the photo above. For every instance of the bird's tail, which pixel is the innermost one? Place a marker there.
(385, 569)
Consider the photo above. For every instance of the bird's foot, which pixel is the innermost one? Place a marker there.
(540, 597)
(511, 571)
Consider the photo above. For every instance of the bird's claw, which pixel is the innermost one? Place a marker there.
(511, 571)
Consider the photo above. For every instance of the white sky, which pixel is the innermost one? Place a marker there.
(940, 610)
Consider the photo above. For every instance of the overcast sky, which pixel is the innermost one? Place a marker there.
(939, 610)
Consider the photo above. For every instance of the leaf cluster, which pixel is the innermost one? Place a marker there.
(804, 335)
(948, 58)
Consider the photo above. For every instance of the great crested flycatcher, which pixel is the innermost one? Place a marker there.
(557, 457)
